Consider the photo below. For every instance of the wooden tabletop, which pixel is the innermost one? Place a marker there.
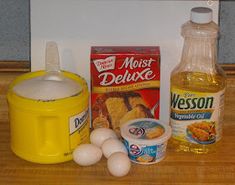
(177, 168)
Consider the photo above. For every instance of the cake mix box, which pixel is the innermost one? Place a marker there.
(125, 84)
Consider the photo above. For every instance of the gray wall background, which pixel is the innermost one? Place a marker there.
(227, 32)
(15, 30)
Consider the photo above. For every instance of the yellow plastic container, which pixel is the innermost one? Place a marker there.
(48, 131)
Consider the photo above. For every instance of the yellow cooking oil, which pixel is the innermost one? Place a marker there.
(196, 82)
(197, 88)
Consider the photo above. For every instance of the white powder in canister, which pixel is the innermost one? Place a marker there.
(41, 88)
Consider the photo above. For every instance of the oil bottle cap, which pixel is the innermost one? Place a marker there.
(201, 15)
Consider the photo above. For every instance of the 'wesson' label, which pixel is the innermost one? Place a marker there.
(196, 117)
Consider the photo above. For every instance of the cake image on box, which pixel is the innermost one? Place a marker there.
(116, 108)
(125, 85)
(139, 111)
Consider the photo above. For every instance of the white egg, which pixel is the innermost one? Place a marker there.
(119, 164)
(87, 154)
(111, 146)
(99, 135)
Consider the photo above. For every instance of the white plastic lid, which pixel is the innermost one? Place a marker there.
(53, 84)
(146, 131)
(40, 89)
(201, 15)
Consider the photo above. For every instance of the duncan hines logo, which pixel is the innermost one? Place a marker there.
(145, 72)
(105, 64)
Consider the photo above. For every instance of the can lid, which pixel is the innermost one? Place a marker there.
(201, 15)
(146, 131)
(53, 84)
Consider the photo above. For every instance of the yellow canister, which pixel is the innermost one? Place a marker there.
(48, 131)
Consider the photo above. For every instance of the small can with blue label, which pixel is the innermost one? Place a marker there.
(146, 140)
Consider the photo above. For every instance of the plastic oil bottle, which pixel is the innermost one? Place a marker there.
(197, 87)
